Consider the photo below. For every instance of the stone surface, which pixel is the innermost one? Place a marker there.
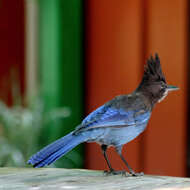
(53, 178)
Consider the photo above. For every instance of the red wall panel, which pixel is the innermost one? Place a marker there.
(11, 47)
(114, 65)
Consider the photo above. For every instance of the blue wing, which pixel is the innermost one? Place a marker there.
(106, 115)
(110, 116)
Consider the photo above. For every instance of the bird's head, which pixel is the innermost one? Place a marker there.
(154, 84)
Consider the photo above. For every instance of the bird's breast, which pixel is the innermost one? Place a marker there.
(119, 136)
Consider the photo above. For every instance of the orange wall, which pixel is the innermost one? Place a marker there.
(120, 34)
(166, 135)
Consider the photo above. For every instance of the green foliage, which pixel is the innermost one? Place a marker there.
(21, 130)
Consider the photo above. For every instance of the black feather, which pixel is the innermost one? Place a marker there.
(153, 71)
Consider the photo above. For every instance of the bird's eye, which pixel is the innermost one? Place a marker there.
(163, 88)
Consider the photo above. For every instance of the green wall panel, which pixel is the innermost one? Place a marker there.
(60, 47)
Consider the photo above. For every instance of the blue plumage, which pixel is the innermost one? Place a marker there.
(115, 123)
(105, 115)
(55, 150)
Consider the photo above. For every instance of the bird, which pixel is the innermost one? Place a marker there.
(115, 123)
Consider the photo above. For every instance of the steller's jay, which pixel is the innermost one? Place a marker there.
(115, 123)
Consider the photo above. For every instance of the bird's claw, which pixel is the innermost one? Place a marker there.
(136, 174)
(114, 172)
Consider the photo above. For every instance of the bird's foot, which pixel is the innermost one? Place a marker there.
(136, 174)
(114, 172)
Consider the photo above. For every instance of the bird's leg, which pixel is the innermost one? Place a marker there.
(111, 170)
(119, 151)
(104, 148)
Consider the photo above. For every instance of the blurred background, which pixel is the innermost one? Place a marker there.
(61, 59)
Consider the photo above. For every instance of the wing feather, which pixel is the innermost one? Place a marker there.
(110, 116)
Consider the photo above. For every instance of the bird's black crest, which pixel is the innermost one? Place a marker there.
(153, 71)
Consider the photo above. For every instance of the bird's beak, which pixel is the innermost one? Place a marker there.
(172, 88)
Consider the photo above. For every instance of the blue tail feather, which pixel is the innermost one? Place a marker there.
(54, 151)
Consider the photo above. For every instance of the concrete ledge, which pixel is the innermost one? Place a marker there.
(53, 178)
